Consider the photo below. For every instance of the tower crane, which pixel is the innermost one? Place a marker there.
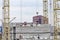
(6, 29)
(56, 8)
(45, 8)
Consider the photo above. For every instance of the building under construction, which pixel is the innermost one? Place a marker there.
(33, 31)
(39, 19)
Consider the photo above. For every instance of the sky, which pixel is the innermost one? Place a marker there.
(24, 10)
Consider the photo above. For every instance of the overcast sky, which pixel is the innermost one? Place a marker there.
(24, 10)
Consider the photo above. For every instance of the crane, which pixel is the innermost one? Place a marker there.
(56, 19)
(6, 18)
(45, 8)
(55, 14)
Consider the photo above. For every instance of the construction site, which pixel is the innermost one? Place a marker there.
(40, 28)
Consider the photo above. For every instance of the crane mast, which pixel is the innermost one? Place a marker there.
(55, 14)
(56, 19)
(6, 31)
(45, 8)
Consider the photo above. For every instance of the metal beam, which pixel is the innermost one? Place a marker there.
(45, 8)
(6, 19)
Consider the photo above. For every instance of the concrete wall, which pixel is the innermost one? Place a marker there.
(28, 32)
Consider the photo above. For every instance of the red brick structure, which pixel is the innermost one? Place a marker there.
(40, 19)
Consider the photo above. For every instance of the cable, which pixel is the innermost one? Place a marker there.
(21, 10)
(37, 6)
(50, 8)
